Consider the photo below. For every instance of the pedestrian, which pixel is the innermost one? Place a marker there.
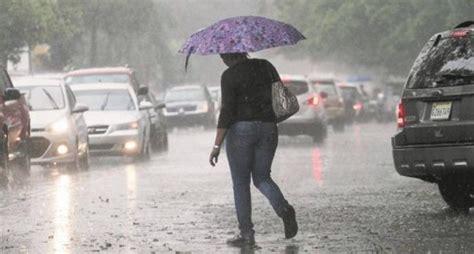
(248, 124)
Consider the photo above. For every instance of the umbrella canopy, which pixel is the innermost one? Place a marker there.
(239, 35)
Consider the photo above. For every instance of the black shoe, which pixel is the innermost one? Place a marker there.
(242, 241)
(289, 221)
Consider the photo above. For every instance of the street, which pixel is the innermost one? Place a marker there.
(346, 192)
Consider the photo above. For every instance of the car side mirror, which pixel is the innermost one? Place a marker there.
(142, 90)
(12, 94)
(80, 108)
(145, 105)
(323, 95)
(160, 106)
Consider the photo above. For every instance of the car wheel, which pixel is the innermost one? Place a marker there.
(164, 144)
(145, 153)
(155, 139)
(21, 166)
(77, 163)
(457, 193)
(84, 160)
(4, 170)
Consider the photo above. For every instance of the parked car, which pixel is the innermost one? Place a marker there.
(217, 98)
(386, 100)
(117, 123)
(110, 75)
(190, 105)
(58, 128)
(158, 128)
(435, 141)
(353, 102)
(15, 129)
(311, 119)
(334, 103)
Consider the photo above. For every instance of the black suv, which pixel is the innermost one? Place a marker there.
(435, 141)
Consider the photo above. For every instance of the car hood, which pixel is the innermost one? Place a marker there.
(110, 117)
(42, 119)
(184, 103)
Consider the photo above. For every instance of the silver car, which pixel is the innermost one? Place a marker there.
(311, 119)
(117, 124)
(189, 105)
(58, 128)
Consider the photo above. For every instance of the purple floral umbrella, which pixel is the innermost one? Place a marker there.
(239, 35)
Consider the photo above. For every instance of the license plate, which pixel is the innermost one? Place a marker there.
(441, 110)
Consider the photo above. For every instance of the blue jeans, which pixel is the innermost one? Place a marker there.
(250, 150)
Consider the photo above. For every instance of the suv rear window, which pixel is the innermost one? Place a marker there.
(327, 87)
(444, 62)
(297, 87)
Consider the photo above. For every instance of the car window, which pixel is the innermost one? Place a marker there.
(297, 87)
(327, 87)
(350, 93)
(99, 78)
(191, 94)
(106, 100)
(43, 97)
(444, 62)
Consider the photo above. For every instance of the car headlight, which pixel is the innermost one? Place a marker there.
(59, 126)
(127, 126)
(203, 107)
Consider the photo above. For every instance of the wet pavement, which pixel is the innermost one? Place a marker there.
(346, 192)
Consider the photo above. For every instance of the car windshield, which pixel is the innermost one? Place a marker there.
(327, 87)
(43, 97)
(106, 100)
(192, 94)
(350, 93)
(444, 62)
(297, 87)
(99, 78)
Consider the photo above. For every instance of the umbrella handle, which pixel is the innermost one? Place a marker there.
(187, 59)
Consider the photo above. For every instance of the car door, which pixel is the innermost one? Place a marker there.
(14, 113)
(78, 120)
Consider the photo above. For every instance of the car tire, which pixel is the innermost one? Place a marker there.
(457, 193)
(76, 165)
(21, 166)
(164, 142)
(84, 160)
(145, 152)
(4, 170)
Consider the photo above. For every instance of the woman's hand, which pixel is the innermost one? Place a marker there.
(213, 158)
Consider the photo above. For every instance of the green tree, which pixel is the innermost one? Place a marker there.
(371, 33)
(23, 23)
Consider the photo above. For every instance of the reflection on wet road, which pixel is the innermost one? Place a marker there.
(346, 192)
(62, 214)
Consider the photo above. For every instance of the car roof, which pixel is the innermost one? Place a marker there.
(100, 86)
(102, 70)
(449, 33)
(33, 81)
(287, 77)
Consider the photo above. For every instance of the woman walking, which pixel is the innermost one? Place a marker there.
(248, 124)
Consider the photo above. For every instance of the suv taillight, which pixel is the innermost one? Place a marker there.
(401, 115)
(314, 100)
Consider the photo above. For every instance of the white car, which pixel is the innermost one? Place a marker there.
(117, 124)
(58, 128)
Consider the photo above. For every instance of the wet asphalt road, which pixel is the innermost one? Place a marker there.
(346, 192)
